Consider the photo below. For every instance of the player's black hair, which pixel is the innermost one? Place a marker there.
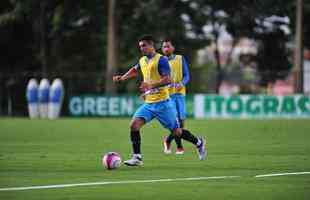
(168, 39)
(149, 38)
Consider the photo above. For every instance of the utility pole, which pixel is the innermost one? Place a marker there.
(111, 58)
(298, 59)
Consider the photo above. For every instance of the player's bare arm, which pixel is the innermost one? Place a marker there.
(131, 73)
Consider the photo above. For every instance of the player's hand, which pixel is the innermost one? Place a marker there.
(142, 97)
(178, 86)
(144, 86)
(117, 78)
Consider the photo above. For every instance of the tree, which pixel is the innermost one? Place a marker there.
(247, 18)
(74, 38)
(175, 19)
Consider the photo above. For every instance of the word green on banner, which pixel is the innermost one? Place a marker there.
(103, 105)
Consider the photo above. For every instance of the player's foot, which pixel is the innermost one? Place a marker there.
(201, 149)
(179, 151)
(167, 146)
(136, 160)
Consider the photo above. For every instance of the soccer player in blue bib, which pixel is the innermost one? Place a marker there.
(157, 104)
(179, 76)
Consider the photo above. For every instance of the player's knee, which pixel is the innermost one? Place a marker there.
(177, 132)
(135, 125)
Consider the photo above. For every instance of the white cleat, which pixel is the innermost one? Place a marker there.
(134, 161)
(179, 151)
(201, 149)
(167, 146)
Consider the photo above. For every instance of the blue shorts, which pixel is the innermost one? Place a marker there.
(179, 102)
(163, 111)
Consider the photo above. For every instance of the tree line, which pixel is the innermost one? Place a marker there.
(69, 38)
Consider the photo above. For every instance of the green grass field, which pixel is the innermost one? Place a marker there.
(68, 151)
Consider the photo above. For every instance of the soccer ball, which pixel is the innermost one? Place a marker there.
(111, 160)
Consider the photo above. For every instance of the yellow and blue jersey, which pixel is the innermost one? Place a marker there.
(157, 103)
(152, 69)
(179, 74)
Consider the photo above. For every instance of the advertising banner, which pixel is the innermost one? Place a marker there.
(198, 106)
(111, 106)
(251, 106)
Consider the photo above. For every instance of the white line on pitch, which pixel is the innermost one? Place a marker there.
(142, 181)
(281, 174)
(115, 182)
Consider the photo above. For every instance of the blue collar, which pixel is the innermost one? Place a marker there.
(150, 56)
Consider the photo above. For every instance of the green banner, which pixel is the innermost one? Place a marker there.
(111, 106)
(198, 106)
(251, 106)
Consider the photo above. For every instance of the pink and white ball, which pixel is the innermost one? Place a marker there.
(111, 160)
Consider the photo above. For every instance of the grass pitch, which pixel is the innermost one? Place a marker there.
(68, 151)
